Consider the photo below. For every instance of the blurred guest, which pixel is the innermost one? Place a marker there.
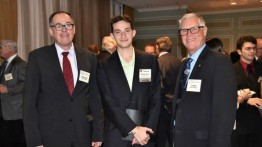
(12, 76)
(215, 44)
(248, 132)
(150, 49)
(108, 48)
(234, 56)
(259, 49)
(94, 49)
(169, 66)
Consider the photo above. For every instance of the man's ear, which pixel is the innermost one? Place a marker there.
(50, 31)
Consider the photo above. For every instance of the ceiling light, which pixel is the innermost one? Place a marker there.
(233, 3)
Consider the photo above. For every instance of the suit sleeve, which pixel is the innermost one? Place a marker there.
(96, 107)
(223, 103)
(30, 111)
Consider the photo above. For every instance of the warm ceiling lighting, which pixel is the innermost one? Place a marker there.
(233, 3)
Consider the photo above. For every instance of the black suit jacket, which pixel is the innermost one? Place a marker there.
(206, 118)
(169, 66)
(52, 117)
(103, 55)
(248, 118)
(117, 97)
(12, 101)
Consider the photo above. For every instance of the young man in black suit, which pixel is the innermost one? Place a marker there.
(129, 82)
(62, 105)
(248, 132)
(205, 96)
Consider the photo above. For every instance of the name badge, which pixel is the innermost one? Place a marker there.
(8, 76)
(193, 85)
(84, 76)
(144, 75)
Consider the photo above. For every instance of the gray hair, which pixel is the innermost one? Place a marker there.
(11, 44)
(201, 20)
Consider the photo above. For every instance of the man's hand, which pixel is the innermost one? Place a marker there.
(257, 102)
(3, 89)
(140, 135)
(96, 144)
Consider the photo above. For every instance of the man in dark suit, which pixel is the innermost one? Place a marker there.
(62, 105)
(108, 48)
(248, 132)
(11, 89)
(205, 95)
(169, 66)
(129, 83)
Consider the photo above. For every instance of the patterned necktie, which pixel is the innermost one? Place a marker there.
(186, 72)
(67, 71)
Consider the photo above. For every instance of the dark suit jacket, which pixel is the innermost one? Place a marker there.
(12, 101)
(169, 66)
(52, 116)
(103, 55)
(117, 97)
(206, 118)
(248, 119)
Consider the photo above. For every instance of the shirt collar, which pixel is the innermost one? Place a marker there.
(60, 50)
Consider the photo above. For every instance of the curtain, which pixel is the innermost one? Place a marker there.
(92, 19)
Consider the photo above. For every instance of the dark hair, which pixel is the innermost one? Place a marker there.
(244, 39)
(215, 44)
(55, 13)
(120, 18)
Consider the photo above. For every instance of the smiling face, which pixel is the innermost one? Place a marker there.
(64, 37)
(193, 42)
(123, 34)
(247, 52)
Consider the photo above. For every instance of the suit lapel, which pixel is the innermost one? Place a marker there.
(136, 72)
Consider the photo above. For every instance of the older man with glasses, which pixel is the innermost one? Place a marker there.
(205, 94)
(62, 105)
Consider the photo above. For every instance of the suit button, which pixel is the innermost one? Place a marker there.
(70, 120)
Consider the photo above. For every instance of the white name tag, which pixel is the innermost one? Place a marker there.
(144, 75)
(84, 76)
(193, 85)
(8, 76)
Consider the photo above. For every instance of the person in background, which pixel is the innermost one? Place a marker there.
(248, 132)
(62, 104)
(94, 49)
(169, 66)
(129, 83)
(258, 55)
(12, 76)
(204, 107)
(234, 56)
(108, 48)
(215, 44)
(150, 49)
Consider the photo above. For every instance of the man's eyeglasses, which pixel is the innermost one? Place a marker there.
(250, 49)
(193, 30)
(3, 46)
(60, 27)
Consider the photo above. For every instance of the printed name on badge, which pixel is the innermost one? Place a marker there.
(144, 75)
(84, 76)
(193, 85)
(8, 76)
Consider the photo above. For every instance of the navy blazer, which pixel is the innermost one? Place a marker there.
(206, 118)
(117, 97)
(52, 117)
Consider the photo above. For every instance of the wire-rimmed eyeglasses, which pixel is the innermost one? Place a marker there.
(60, 27)
(3, 46)
(193, 30)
